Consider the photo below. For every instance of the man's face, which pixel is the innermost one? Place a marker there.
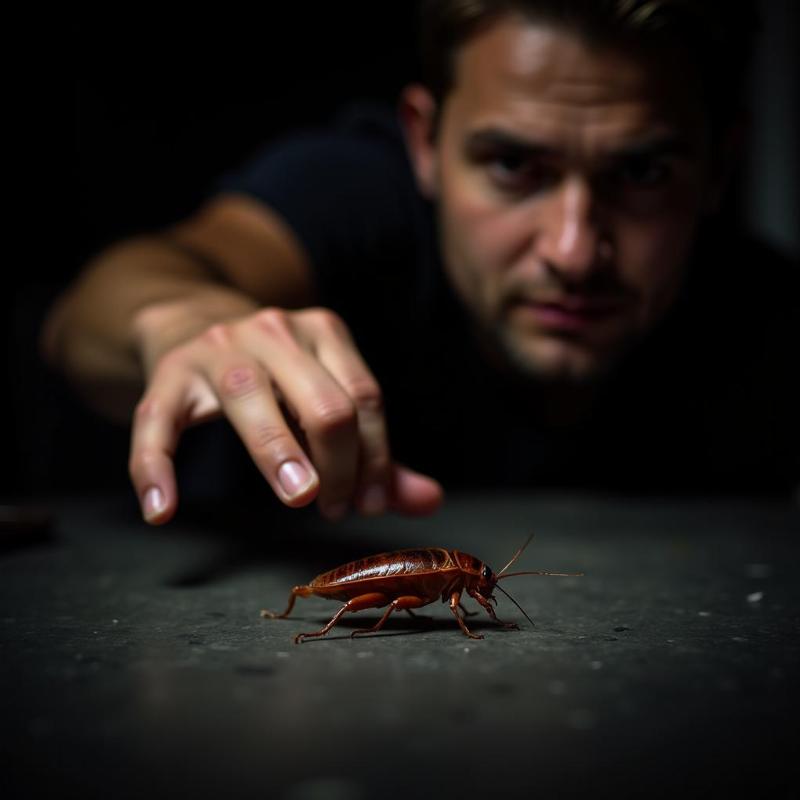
(569, 182)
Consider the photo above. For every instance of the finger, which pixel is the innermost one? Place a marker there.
(322, 410)
(333, 345)
(154, 438)
(247, 399)
(413, 493)
(374, 468)
(328, 420)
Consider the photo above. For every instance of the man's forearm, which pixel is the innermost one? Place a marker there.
(133, 302)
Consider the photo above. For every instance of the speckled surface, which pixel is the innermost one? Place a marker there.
(135, 662)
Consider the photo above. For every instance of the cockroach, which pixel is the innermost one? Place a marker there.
(407, 579)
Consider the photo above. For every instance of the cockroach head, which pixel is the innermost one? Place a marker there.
(486, 581)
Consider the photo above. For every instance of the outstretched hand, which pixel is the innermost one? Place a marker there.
(301, 398)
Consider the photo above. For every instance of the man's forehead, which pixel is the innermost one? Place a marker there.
(529, 76)
(536, 56)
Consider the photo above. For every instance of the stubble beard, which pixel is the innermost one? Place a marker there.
(575, 366)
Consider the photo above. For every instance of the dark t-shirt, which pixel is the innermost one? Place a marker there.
(709, 401)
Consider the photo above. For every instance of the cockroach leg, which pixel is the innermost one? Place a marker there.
(405, 603)
(297, 591)
(490, 611)
(322, 631)
(466, 612)
(378, 625)
(455, 603)
(370, 600)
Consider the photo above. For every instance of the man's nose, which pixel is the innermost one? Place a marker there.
(569, 239)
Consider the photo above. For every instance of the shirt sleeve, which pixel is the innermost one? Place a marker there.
(349, 197)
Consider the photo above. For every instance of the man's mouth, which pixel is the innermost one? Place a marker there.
(568, 314)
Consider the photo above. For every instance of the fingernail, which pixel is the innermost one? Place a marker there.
(293, 477)
(373, 501)
(154, 503)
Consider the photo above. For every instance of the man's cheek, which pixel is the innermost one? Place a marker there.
(468, 237)
(658, 272)
(490, 240)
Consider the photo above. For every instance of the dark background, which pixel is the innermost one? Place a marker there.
(133, 116)
(126, 129)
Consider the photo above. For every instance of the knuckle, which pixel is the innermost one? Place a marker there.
(331, 416)
(141, 464)
(326, 320)
(365, 392)
(274, 321)
(277, 325)
(217, 335)
(239, 381)
(271, 441)
(377, 462)
(148, 408)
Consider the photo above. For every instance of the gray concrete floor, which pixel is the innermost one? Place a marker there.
(135, 662)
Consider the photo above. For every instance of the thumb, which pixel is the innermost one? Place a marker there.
(412, 492)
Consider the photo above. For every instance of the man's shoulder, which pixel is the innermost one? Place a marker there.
(361, 145)
(347, 192)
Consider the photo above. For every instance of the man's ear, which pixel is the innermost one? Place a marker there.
(418, 117)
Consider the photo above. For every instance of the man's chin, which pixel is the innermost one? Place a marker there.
(556, 360)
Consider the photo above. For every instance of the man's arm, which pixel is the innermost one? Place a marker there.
(226, 261)
(197, 322)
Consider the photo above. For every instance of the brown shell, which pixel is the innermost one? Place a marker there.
(423, 572)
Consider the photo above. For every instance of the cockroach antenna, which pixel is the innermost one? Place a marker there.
(516, 555)
(542, 572)
(515, 603)
(502, 573)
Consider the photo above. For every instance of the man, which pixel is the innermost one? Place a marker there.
(535, 292)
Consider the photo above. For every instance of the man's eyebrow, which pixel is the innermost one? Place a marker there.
(491, 140)
(487, 141)
(668, 144)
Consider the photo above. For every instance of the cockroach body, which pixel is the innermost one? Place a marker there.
(408, 579)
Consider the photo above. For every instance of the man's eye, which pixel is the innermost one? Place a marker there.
(516, 172)
(508, 163)
(643, 172)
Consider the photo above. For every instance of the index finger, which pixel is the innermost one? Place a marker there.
(154, 438)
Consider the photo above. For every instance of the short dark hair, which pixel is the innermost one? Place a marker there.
(717, 36)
